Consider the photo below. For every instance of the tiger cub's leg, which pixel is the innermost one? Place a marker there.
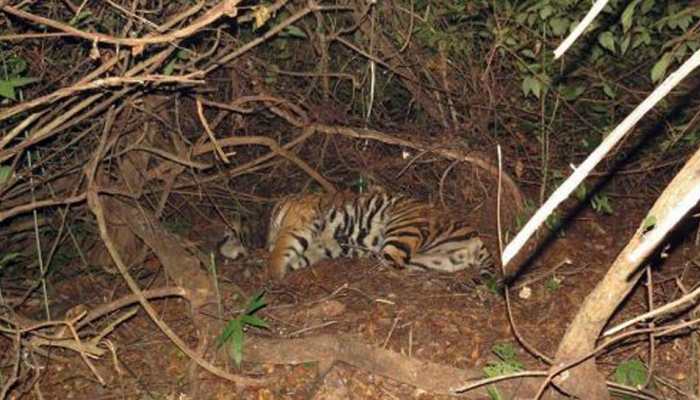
(289, 251)
(295, 249)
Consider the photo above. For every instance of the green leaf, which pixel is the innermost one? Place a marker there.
(560, 25)
(7, 86)
(528, 53)
(659, 69)
(256, 302)
(641, 38)
(571, 92)
(7, 90)
(237, 342)
(293, 32)
(254, 321)
(19, 82)
(494, 394)
(609, 91)
(546, 11)
(226, 334)
(5, 173)
(647, 5)
(531, 85)
(508, 364)
(625, 44)
(505, 351)
(553, 284)
(631, 372)
(627, 15)
(169, 67)
(531, 19)
(581, 192)
(607, 40)
(648, 224)
(601, 204)
(681, 22)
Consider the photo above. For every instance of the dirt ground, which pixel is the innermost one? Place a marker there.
(451, 319)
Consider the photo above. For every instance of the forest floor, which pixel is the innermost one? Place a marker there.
(451, 319)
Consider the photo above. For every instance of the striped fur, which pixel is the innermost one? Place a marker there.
(305, 229)
(235, 236)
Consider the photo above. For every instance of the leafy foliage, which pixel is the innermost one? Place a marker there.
(5, 173)
(508, 363)
(233, 333)
(601, 204)
(13, 77)
(554, 223)
(631, 373)
(553, 284)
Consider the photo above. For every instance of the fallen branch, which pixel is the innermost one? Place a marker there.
(275, 148)
(225, 7)
(666, 308)
(425, 375)
(99, 83)
(5, 214)
(96, 205)
(596, 310)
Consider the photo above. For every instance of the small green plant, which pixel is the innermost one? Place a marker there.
(581, 192)
(294, 32)
(554, 223)
(600, 201)
(508, 363)
(180, 55)
(233, 333)
(5, 174)
(13, 77)
(631, 373)
(553, 284)
(601, 204)
(491, 282)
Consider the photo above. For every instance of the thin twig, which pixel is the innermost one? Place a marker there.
(205, 124)
(5, 214)
(225, 7)
(668, 307)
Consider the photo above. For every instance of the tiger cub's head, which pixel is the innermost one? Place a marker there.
(233, 246)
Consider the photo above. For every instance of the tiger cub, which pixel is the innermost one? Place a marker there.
(305, 229)
(233, 245)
